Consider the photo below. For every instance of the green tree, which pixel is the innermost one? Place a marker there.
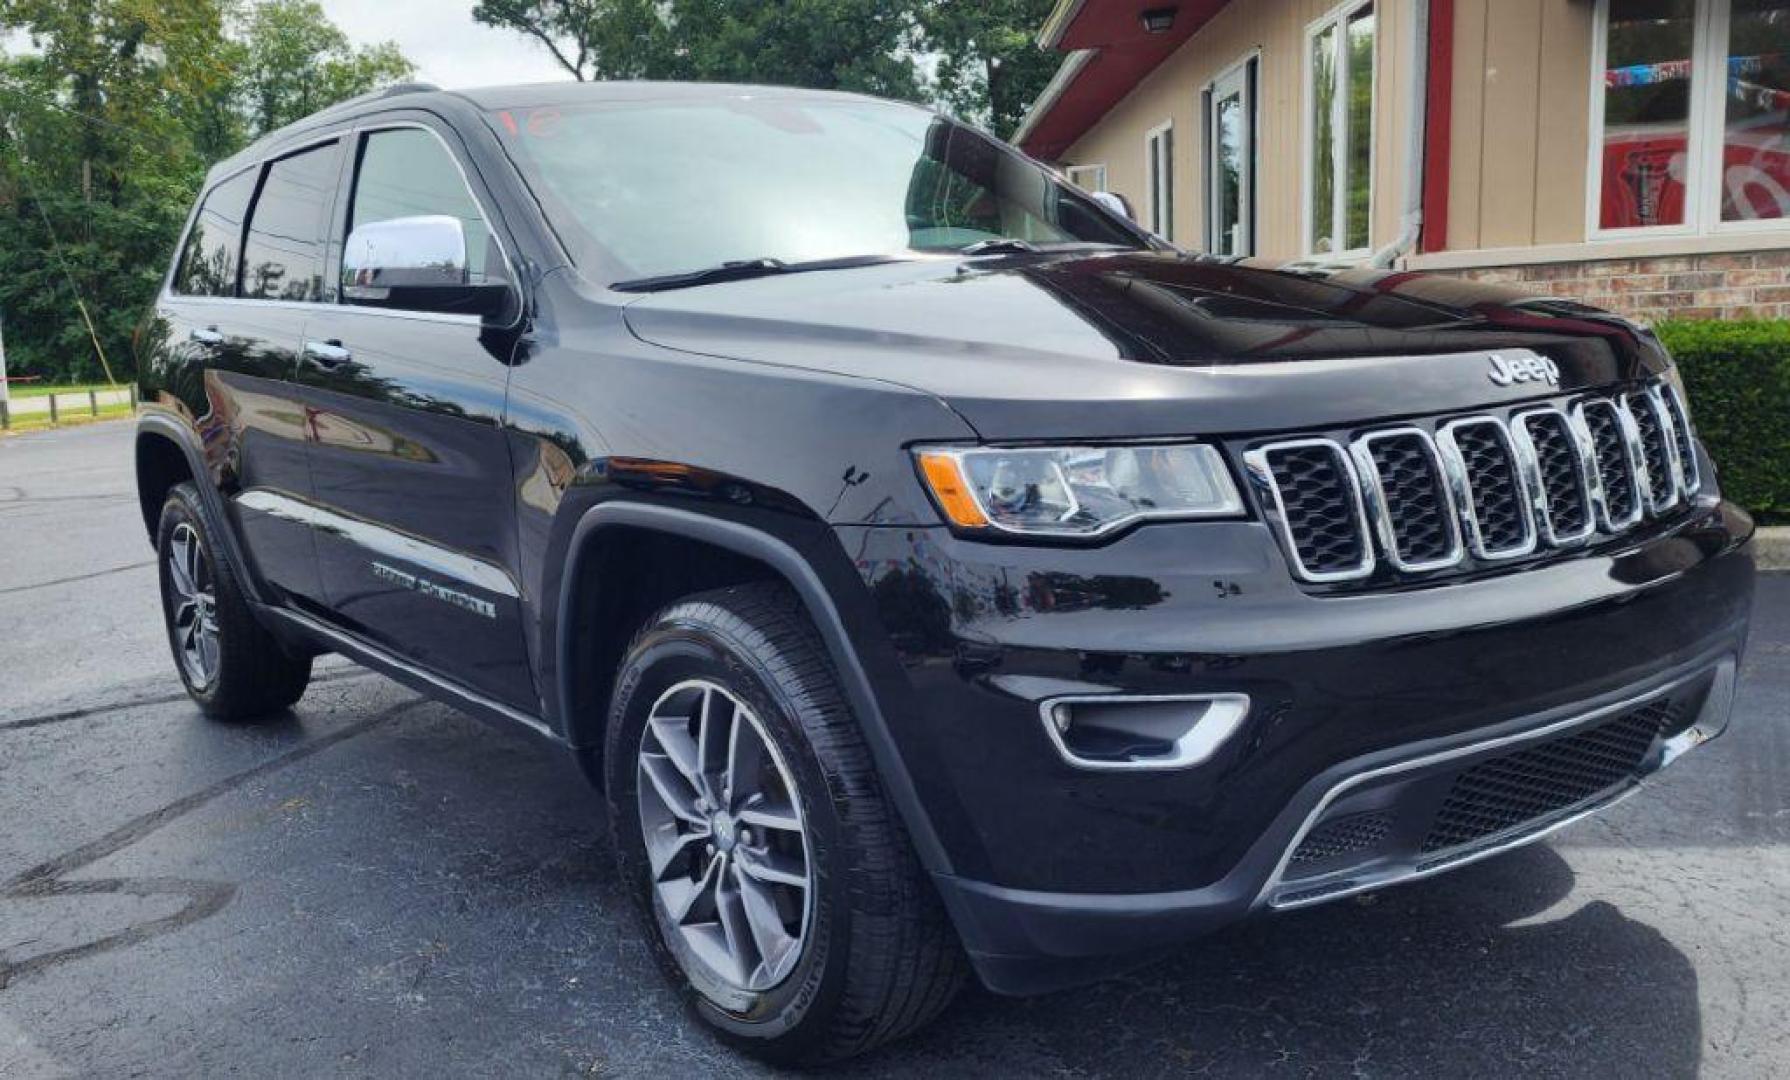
(294, 61)
(989, 66)
(863, 45)
(106, 129)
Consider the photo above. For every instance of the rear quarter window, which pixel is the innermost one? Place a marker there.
(210, 259)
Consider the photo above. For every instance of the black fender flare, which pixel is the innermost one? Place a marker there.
(796, 571)
(211, 500)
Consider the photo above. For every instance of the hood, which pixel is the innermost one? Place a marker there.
(1134, 345)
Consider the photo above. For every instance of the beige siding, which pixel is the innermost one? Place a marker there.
(1172, 92)
(1520, 108)
(1522, 93)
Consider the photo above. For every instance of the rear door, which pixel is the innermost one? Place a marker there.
(408, 448)
(251, 268)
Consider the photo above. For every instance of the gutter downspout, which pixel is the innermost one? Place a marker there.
(1411, 216)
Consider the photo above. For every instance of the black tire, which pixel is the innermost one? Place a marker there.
(879, 958)
(252, 676)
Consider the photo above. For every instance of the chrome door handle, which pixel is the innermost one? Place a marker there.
(207, 336)
(327, 354)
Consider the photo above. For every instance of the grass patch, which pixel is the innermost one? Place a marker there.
(37, 390)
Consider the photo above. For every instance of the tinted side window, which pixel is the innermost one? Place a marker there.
(283, 256)
(208, 261)
(407, 172)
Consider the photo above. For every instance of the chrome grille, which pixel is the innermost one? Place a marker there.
(1562, 467)
(1407, 499)
(1616, 453)
(1317, 497)
(1682, 438)
(1481, 460)
(1485, 487)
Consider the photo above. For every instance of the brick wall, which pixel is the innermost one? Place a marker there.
(1746, 285)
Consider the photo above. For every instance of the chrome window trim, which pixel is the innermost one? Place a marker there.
(1261, 475)
(1460, 485)
(1583, 453)
(1378, 514)
(1631, 447)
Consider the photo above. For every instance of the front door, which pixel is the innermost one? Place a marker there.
(417, 538)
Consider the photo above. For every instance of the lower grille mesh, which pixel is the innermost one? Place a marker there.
(1504, 793)
(1357, 832)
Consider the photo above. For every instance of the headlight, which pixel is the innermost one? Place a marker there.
(1073, 491)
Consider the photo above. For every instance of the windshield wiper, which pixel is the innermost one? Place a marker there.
(742, 270)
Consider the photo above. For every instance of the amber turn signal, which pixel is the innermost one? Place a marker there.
(945, 477)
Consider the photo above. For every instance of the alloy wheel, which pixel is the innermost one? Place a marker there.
(726, 844)
(195, 606)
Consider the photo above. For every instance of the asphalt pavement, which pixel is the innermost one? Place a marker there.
(380, 886)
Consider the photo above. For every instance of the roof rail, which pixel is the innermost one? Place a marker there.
(399, 89)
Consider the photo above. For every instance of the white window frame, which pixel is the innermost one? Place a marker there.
(1704, 147)
(1338, 17)
(1238, 72)
(1159, 206)
(1075, 173)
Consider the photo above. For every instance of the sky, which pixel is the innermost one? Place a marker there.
(446, 45)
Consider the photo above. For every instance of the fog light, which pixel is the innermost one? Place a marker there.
(1119, 732)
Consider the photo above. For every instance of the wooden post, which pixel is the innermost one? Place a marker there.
(53, 417)
(5, 415)
(93, 402)
(135, 404)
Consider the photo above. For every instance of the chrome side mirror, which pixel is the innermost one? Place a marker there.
(1115, 204)
(417, 264)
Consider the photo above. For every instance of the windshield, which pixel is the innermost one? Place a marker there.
(641, 189)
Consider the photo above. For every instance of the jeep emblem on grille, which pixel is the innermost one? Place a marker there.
(1510, 370)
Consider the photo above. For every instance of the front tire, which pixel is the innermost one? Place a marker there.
(231, 666)
(778, 888)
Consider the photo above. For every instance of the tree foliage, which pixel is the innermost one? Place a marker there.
(980, 60)
(106, 129)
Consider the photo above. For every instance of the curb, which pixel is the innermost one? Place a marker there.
(1771, 547)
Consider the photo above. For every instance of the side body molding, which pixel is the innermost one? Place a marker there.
(796, 571)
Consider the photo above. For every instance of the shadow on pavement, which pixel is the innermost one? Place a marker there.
(1451, 977)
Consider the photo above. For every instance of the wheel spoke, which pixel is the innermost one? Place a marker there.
(181, 577)
(772, 941)
(772, 868)
(712, 738)
(667, 849)
(736, 927)
(675, 791)
(674, 739)
(699, 903)
(745, 763)
(768, 815)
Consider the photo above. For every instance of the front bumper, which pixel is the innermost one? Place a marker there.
(1364, 703)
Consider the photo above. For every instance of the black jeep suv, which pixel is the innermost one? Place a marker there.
(936, 572)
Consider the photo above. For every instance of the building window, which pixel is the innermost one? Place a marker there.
(1231, 161)
(1159, 180)
(1339, 94)
(1691, 100)
(1087, 177)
